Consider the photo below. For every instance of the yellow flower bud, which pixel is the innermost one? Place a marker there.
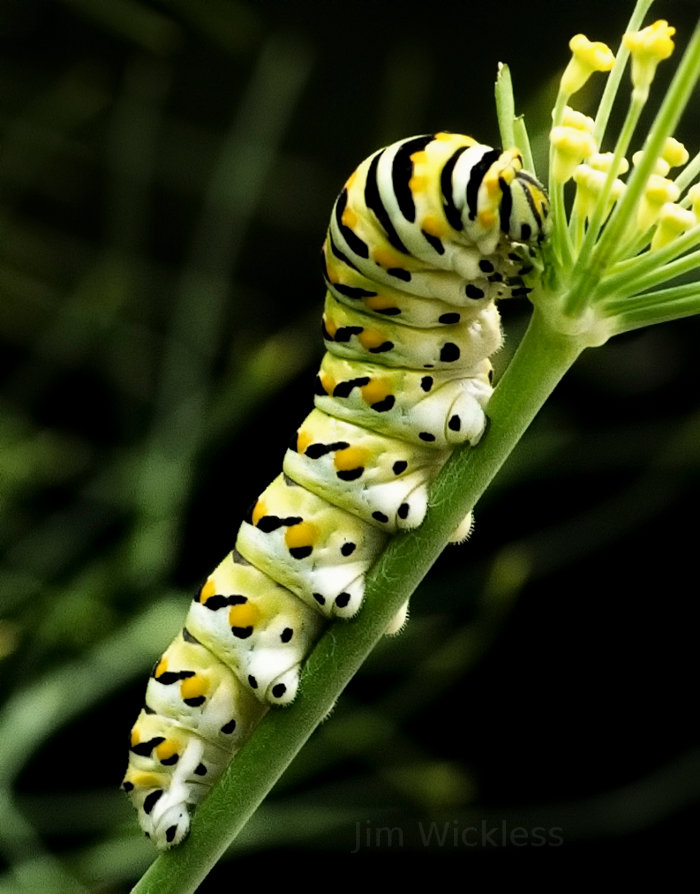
(590, 182)
(673, 221)
(588, 56)
(603, 161)
(572, 142)
(674, 153)
(570, 148)
(661, 166)
(573, 118)
(658, 193)
(648, 47)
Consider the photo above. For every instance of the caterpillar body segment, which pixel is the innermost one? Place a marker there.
(257, 627)
(354, 335)
(380, 479)
(443, 408)
(424, 238)
(316, 549)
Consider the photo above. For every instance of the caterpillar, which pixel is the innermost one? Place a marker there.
(423, 239)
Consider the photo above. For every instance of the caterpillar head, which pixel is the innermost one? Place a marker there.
(504, 200)
(524, 210)
(523, 204)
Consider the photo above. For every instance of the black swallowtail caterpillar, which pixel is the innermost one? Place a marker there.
(423, 238)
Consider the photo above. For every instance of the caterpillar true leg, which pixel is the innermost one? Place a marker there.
(424, 237)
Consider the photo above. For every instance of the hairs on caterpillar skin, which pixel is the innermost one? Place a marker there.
(425, 236)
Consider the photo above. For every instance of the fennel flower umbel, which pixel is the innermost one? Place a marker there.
(626, 251)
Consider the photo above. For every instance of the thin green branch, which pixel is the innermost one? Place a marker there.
(522, 141)
(680, 267)
(505, 106)
(591, 241)
(655, 303)
(689, 174)
(561, 238)
(662, 306)
(540, 362)
(636, 269)
(613, 80)
(511, 126)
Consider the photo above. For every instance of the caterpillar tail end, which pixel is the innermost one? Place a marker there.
(163, 814)
(172, 825)
(165, 779)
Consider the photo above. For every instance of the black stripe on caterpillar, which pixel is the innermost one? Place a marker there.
(424, 237)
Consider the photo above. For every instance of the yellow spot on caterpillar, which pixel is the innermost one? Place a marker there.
(135, 737)
(420, 157)
(491, 184)
(349, 218)
(433, 226)
(194, 687)
(165, 750)
(387, 258)
(209, 589)
(417, 183)
(351, 179)
(508, 175)
(446, 137)
(350, 458)
(379, 302)
(304, 438)
(145, 780)
(161, 667)
(328, 383)
(244, 615)
(487, 219)
(370, 338)
(259, 510)
(332, 265)
(330, 327)
(504, 171)
(375, 391)
(332, 272)
(303, 534)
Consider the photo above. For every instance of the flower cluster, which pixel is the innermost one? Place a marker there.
(631, 229)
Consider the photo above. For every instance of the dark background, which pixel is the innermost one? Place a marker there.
(166, 175)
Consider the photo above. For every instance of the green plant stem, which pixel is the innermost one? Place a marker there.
(539, 364)
(505, 106)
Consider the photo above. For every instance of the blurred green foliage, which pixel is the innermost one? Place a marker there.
(166, 174)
